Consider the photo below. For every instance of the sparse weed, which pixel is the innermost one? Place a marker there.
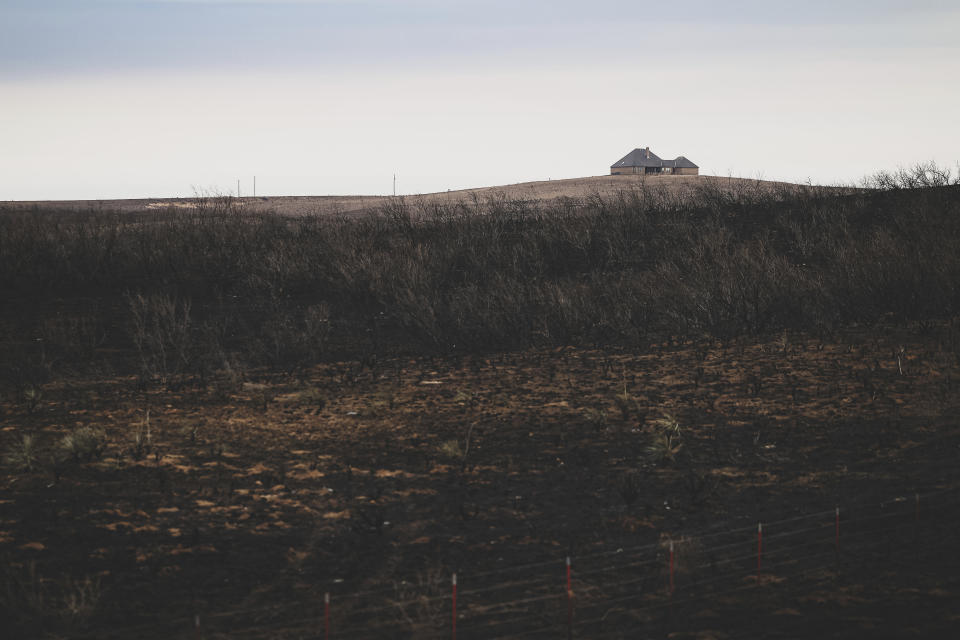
(160, 327)
(467, 399)
(625, 402)
(142, 444)
(22, 592)
(22, 454)
(668, 423)
(83, 444)
(29, 601)
(664, 444)
(228, 380)
(32, 396)
(421, 603)
(81, 598)
(663, 448)
(451, 449)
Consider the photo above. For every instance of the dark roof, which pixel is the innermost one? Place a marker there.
(638, 158)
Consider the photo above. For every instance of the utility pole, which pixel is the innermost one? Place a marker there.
(238, 187)
(254, 186)
(394, 185)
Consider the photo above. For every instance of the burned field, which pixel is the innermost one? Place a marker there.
(210, 422)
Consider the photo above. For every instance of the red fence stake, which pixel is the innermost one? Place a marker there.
(759, 549)
(454, 581)
(671, 567)
(569, 602)
(326, 616)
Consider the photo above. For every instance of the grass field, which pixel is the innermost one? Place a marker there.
(546, 191)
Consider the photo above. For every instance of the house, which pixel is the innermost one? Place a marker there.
(644, 161)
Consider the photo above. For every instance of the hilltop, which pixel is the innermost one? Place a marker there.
(545, 191)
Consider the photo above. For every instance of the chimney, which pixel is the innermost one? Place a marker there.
(647, 150)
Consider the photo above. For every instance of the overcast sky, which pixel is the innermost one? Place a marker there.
(147, 98)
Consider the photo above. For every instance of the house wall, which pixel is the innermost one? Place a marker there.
(680, 171)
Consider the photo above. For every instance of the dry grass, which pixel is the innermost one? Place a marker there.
(545, 191)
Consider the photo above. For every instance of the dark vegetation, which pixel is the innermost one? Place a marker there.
(177, 296)
(228, 414)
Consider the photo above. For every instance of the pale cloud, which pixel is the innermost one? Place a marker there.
(151, 99)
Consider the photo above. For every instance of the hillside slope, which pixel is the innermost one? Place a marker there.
(326, 205)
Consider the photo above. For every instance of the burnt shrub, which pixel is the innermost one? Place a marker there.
(176, 294)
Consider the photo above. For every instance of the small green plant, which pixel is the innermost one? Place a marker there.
(467, 399)
(142, 443)
(667, 422)
(625, 402)
(664, 443)
(22, 455)
(455, 450)
(83, 444)
(451, 449)
(31, 397)
(628, 404)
